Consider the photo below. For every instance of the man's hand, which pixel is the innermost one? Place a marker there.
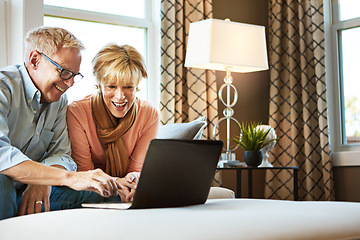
(129, 183)
(96, 181)
(34, 197)
(31, 172)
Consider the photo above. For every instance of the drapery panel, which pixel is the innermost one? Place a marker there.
(186, 93)
(298, 107)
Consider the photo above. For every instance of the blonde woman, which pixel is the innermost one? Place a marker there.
(111, 129)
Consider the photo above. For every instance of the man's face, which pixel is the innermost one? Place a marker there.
(47, 78)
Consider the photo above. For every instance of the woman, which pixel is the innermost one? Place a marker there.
(112, 129)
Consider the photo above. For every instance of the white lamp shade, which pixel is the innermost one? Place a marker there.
(214, 44)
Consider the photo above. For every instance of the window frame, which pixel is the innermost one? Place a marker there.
(20, 16)
(151, 24)
(341, 154)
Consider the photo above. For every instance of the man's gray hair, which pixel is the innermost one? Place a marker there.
(48, 40)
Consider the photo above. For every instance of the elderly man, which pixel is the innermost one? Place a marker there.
(34, 144)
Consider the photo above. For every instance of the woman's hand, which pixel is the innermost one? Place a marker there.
(129, 183)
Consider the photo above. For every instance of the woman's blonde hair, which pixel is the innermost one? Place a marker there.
(118, 65)
(48, 40)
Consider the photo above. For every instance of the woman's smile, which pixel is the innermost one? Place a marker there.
(119, 106)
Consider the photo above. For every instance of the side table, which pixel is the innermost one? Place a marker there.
(251, 169)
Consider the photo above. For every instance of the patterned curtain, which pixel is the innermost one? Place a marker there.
(186, 94)
(298, 108)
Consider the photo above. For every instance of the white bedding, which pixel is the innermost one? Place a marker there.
(217, 219)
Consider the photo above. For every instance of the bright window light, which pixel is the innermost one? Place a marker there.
(94, 36)
(136, 8)
(350, 52)
(349, 9)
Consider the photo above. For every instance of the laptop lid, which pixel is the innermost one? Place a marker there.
(177, 173)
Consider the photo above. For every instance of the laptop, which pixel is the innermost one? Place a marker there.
(175, 173)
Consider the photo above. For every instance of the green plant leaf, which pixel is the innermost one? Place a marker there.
(252, 137)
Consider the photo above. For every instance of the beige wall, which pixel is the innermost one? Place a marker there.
(347, 183)
(253, 88)
(253, 103)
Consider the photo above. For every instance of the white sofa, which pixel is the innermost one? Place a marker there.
(217, 219)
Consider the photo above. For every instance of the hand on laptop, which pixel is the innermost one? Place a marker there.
(94, 180)
(129, 183)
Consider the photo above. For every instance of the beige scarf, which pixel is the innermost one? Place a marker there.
(110, 131)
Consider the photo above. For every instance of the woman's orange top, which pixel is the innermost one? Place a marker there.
(87, 149)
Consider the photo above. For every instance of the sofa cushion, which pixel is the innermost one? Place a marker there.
(184, 131)
(220, 192)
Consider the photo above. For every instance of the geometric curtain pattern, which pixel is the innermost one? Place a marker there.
(186, 93)
(298, 107)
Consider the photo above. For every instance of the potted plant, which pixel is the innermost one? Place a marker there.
(252, 139)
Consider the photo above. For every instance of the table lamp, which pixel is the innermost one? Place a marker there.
(226, 46)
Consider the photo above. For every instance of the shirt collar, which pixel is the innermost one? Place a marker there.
(31, 91)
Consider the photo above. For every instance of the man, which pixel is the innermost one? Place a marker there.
(34, 143)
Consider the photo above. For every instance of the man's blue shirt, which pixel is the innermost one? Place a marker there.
(30, 130)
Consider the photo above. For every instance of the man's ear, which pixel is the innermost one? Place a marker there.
(34, 59)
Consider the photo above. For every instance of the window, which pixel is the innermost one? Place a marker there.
(350, 83)
(346, 35)
(343, 64)
(97, 23)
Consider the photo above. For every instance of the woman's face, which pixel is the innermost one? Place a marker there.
(118, 99)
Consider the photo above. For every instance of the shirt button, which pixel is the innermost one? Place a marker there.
(34, 111)
(37, 133)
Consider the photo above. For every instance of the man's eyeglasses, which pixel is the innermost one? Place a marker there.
(64, 73)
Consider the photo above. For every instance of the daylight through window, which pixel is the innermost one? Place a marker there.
(347, 29)
(98, 23)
